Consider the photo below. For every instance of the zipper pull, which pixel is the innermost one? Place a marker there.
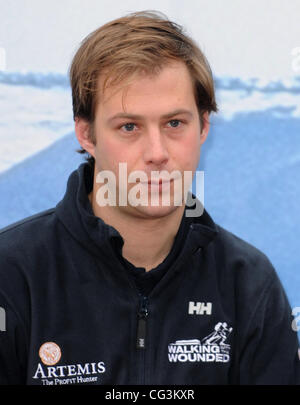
(141, 328)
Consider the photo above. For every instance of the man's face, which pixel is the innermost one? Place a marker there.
(153, 126)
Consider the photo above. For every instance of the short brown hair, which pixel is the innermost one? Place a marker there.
(139, 42)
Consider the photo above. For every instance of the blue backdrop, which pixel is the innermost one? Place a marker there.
(251, 162)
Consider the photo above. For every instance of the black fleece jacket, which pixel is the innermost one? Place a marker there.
(76, 312)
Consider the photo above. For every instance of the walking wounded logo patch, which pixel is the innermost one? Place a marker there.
(212, 348)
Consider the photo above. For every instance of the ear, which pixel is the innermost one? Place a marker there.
(83, 134)
(205, 127)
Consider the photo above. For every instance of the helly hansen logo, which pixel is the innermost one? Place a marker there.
(200, 308)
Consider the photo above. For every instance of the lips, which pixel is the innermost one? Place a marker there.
(159, 182)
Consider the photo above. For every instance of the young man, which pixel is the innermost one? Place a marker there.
(111, 288)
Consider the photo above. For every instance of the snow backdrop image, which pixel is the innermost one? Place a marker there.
(251, 159)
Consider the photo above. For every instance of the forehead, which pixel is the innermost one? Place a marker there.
(172, 83)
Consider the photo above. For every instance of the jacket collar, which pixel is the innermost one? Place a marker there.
(76, 214)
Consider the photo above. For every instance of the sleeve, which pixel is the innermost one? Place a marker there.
(270, 354)
(12, 346)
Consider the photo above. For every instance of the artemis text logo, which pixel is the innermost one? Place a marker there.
(50, 354)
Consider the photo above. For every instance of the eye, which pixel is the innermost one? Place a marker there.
(174, 123)
(129, 127)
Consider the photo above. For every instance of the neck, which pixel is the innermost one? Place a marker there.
(147, 241)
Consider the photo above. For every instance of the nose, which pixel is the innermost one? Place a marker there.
(155, 148)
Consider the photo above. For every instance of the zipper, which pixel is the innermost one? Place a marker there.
(141, 340)
(143, 313)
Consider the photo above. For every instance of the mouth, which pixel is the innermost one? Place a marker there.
(158, 182)
(158, 185)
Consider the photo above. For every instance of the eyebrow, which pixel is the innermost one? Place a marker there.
(140, 117)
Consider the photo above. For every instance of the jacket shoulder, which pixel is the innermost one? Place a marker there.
(242, 258)
(26, 233)
(27, 220)
(236, 244)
